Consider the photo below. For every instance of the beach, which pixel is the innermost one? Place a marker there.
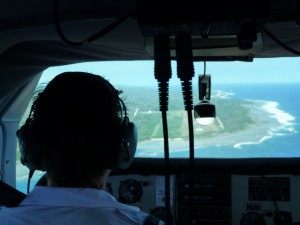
(269, 121)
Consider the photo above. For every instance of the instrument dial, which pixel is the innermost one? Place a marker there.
(130, 191)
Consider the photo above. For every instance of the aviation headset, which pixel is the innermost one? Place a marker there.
(31, 156)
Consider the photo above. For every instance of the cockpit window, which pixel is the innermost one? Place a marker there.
(256, 108)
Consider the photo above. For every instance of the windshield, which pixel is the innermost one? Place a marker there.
(256, 104)
(256, 107)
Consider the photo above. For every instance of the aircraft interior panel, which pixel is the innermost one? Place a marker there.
(218, 198)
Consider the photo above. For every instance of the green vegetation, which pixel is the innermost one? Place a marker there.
(232, 115)
(143, 109)
(147, 124)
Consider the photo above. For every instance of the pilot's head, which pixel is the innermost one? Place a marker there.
(75, 130)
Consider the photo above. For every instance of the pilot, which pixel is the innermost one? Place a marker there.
(77, 132)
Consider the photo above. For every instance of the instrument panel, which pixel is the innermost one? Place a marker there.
(145, 192)
(218, 199)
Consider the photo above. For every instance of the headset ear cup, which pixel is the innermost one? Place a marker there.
(128, 147)
(22, 145)
(30, 156)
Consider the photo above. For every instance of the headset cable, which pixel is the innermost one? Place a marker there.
(163, 72)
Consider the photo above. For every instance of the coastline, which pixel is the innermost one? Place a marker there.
(270, 121)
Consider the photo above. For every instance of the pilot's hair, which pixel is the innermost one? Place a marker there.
(76, 123)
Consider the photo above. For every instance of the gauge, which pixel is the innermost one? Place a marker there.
(109, 188)
(252, 218)
(130, 191)
(160, 213)
(282, 218)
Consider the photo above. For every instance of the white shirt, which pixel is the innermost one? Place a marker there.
(74, 206)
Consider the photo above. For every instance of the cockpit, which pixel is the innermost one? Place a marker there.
(212, 87)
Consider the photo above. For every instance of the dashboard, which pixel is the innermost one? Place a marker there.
(220, 197)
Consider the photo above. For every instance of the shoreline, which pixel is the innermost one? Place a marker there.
(271, 121)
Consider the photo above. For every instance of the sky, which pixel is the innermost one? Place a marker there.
(141, 73)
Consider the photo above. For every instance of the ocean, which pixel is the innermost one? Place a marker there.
(282, 139)
(285, 140)
(282, 102)
(278, 102)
